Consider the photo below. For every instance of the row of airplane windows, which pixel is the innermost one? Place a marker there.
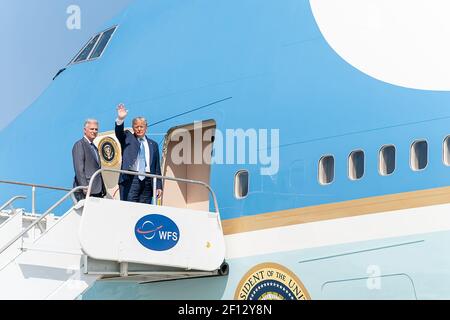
(418, 160)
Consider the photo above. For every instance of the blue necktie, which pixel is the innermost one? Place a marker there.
(141, 159)
(95, 152)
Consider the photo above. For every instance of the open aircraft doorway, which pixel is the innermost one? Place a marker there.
(187, 154)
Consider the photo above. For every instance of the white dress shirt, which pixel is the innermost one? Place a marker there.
(147, 152)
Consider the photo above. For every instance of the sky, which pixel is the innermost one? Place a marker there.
(37, 42)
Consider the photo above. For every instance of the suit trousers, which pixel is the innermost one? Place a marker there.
(135, 190)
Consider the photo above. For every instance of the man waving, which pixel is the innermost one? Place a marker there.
(139, 154)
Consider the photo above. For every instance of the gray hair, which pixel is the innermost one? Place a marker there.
(87, 121)
(140, 119)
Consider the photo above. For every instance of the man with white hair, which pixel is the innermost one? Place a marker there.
(86, 161)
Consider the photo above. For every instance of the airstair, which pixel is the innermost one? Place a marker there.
(10, 225)
(103, 240)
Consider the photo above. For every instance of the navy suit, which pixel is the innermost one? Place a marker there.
(131, 188)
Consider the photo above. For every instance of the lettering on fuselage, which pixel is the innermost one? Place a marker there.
(271, 281)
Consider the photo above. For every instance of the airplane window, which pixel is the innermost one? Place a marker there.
(356, 165)
(95, 47)
(241, 183)
(447, 151)
(84, 54)
(104, 40)
(386, 160)
(326, 170)
(419, 155)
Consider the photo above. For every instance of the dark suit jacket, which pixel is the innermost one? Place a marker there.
(85, 165)
(130, 149)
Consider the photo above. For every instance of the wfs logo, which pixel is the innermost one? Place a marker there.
(157, 232)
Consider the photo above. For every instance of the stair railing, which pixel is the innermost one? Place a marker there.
(155, 176)
(33, 191)
(11, 201)
(42, 217)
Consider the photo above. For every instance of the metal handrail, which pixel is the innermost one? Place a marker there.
(31, 226)
(33, 190)
(149, 175)
(34, 185)
(10, 201)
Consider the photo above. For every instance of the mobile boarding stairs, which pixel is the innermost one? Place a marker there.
(44, 257)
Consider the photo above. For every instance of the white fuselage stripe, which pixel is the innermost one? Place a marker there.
(339, 231)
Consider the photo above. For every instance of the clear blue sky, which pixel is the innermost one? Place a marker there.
(36, 43)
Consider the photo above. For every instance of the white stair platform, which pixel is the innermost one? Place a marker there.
(47, 268)
(152, 235)
(11, 226)
(102, 240)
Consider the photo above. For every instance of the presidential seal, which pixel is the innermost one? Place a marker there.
(271, 281)
(109, 151)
